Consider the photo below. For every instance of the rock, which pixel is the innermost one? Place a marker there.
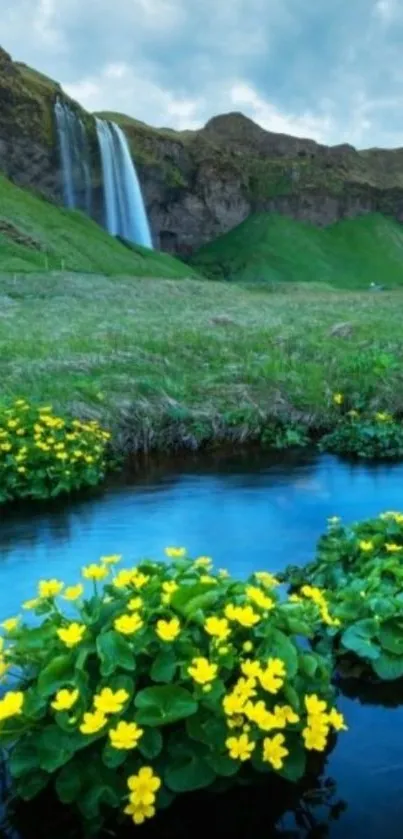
(199, 184)
(341, 330)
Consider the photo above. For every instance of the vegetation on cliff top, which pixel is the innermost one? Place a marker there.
(36, 235)
(172, 363)
(271, 248)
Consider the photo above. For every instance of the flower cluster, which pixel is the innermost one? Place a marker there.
(170, 674)
(364, 434)
(43, 455)
(357, 580)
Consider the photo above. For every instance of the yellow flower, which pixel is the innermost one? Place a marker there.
(245, 688)
(392, 548)
(143, 786)
(314, 739)
(267, 579)
(338, 398)
(126, 735)
(111, 560)
(6, 447)
(73, 592)
(109, 702)
(295, 598)
(93, 722)
(168, 630)
(50, 588)
(251, 668)
(72, 634)
(64, 700)
(140, 812)
(240, 748)
(168, 589)
(366, 546)
(138, 579)
(203, 562)
(314, 705)
(223, 573)
(234, 704)
(381, 416)
(134, 604)
(243, 615)
(272, 678)
(128, 624)
(257, 596)
(217, 627)
(274, 751)
(202, 671)
(123, 578)
(11, 704)
(336, 720)
(285, 714)
(175, 553)
(10, 624)
(207, 578)
(94, 572)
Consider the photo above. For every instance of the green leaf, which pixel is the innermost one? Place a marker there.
(90, 801)
(112, 758)
(279, 646)
(308, 664)
(29, 786)
(24, 756)
(164, 666)
(68, 783)
(164, 705)
(388, 667)
(59, 672)
(114, 651)
(189, 773)
(222, 765)
(55, 747)
(295, 763)
(37, 638)
(188, 599)
(150, 744)
(391, 637)
(360, 638)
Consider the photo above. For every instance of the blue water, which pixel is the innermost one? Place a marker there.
(248, 513)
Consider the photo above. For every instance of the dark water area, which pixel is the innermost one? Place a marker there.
(248, 512)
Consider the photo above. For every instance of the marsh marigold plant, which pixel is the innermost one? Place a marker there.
(131, 686)
(43, 455)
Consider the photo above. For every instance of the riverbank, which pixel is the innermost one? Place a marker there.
(176, 364)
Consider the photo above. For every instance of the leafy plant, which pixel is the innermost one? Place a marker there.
(169, 678)
(280, 436)
(360, 570)
(43, 455)
(374, 437)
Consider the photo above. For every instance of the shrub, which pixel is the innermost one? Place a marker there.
(43, 455)
(360, 569)
(170, 678)
(376, 437)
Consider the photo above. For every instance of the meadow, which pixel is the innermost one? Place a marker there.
(171, 363)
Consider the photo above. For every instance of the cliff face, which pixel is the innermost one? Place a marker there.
(199, 184)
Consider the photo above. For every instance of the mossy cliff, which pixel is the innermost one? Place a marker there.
(200, 184)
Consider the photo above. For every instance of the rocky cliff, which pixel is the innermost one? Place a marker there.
(199, 184)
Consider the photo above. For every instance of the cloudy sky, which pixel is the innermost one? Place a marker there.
(327, 69)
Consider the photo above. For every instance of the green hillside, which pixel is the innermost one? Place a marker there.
(36, 235)
(272, 248)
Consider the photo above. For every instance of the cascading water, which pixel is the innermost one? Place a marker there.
(75, 158)
(125, 213)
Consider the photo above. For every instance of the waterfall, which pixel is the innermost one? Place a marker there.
(125, 213)
(75, 158)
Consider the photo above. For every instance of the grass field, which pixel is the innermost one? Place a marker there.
(271, 248)
(36, 235)
(161, 361)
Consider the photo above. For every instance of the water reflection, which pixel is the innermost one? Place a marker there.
(249, 512)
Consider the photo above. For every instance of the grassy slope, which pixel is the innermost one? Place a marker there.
(71, 240)
(272, 248)
(150, 357)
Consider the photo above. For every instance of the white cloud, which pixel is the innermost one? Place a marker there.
(246, 99)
